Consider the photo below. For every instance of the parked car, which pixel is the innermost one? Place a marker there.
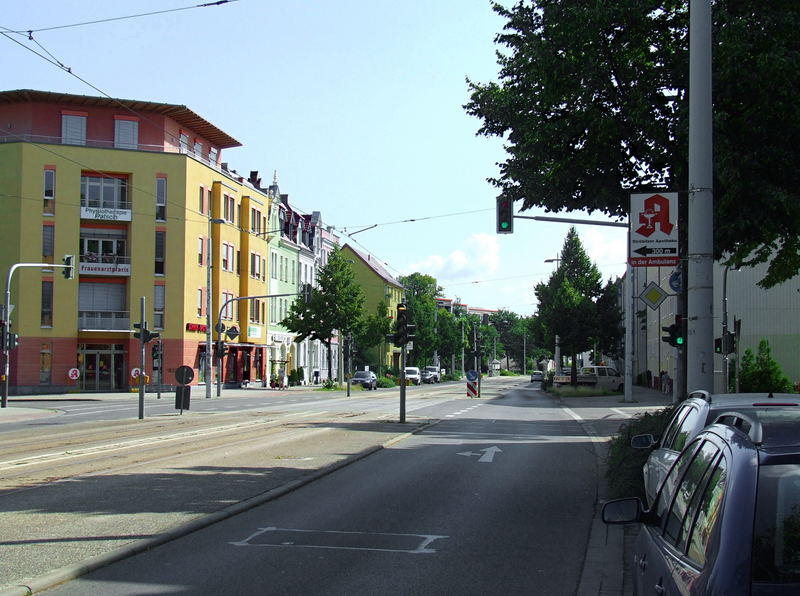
(413, 375)
(431, 374)
(725, 521)
(537, 376)
(692, 416)
(365, 378)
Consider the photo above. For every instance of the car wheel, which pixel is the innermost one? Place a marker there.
(621, 387)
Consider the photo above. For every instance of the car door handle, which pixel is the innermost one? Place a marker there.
(643, 564)
(659, 589)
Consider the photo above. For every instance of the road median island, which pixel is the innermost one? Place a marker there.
(55, 531)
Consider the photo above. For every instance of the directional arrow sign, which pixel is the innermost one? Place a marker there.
(488, 454)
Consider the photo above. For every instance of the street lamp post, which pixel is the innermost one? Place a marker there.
(209, 263)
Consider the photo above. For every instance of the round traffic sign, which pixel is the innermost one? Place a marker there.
(472, 376)
(74, 374)
(184, 375)
(135, 373)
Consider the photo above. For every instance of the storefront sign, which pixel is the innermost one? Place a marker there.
(105, 214)
(104, 269)
(254, 331)
(196, 327)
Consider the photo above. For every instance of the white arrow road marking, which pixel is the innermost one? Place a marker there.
(488, 454)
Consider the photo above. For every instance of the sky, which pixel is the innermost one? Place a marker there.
(355, 105)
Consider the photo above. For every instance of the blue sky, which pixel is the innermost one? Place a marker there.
(356, 104)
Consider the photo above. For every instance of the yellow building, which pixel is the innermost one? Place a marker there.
(134, 190)
(377, 284)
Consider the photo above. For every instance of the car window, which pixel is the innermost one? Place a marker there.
(601, 372)
(685, 431)
(681, 513)
(669, 433)
(612, 372)
(707, 513)
(664, 499)
(776, 539)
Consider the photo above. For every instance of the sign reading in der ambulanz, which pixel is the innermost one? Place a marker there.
(654, 230)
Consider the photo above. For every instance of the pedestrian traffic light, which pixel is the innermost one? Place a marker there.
(144, 333)
(156, 351)
(410, 329)
(718, 345)
(401, 328)
(505, 216)
(69, 267)
(222, 349)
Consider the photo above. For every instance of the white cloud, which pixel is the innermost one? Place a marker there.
(478, 258)
(607, 248)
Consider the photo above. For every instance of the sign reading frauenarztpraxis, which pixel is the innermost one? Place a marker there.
(654, 230)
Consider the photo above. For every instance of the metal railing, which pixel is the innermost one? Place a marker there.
(104, 320)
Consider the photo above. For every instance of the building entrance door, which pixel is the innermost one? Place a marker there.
(102, 367)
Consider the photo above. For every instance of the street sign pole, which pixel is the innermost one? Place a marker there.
(142, 334)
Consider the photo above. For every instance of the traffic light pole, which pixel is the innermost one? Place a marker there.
(5, 320)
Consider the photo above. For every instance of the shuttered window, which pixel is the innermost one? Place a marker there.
(100, 297)
(158, 307)
(126, 134)
(47, 304)
(161, 199)
(48, 242)
(73, 129)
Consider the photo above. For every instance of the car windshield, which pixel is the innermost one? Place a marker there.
(776, 539)
(412, 371)
(362, 374)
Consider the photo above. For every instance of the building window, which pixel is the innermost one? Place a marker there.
(198, 149)
(225, 261)
(212, 155)
(201, 244)
(158, 307)
(274, 265)
(73, 129)
(238, 262)
(225, 214)
(200, 302)
(161, 252)
(208, 203)
(47, 303)
(104, 192)
(106, 249)
(200, 202)
(184, 143)
(126, 133)
(48, 243)
(161, 199)
(49, 192)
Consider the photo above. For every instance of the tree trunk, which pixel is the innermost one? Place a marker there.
(330, 361)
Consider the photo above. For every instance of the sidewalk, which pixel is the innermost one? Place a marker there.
(607, 569)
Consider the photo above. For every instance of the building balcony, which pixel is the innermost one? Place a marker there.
(104, 320)
(107, 264)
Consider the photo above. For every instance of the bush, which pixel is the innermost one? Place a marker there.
(624, 463)
(386, 382)
(760, 373)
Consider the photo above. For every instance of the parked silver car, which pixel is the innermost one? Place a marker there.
(698, 411)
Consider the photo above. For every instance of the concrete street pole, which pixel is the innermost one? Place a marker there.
(700, 340)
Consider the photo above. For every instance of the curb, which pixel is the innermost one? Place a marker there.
(72, 571)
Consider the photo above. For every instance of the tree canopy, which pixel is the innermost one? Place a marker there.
(593, 104)
(337, 304)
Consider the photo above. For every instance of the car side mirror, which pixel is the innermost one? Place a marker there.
(623, 511)
(642, 441)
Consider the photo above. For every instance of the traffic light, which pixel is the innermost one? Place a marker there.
(12, 341)
(144, 333)
(156, 351)
(401, 329)
(505, 216)
(675, 333)
(718, 345)
(222, 349)
(410, 329)
(69, 267)
(679, 331)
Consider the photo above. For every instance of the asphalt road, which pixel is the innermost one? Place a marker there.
(498, 498)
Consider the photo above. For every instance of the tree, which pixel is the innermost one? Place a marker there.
(760, 373)
(373, 330)
(421, 292)
(509, 337)
(593, 103)
(567, 303)
(337, 304)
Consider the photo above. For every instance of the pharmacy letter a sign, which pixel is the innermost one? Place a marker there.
(654, 230)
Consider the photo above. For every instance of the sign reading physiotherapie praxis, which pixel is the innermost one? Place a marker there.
(654, 230)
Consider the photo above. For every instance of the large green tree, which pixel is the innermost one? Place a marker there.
(568, 302)
(592, 101)
(337, 304)
(421, 292)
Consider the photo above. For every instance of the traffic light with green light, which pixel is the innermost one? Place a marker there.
(505, 216)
